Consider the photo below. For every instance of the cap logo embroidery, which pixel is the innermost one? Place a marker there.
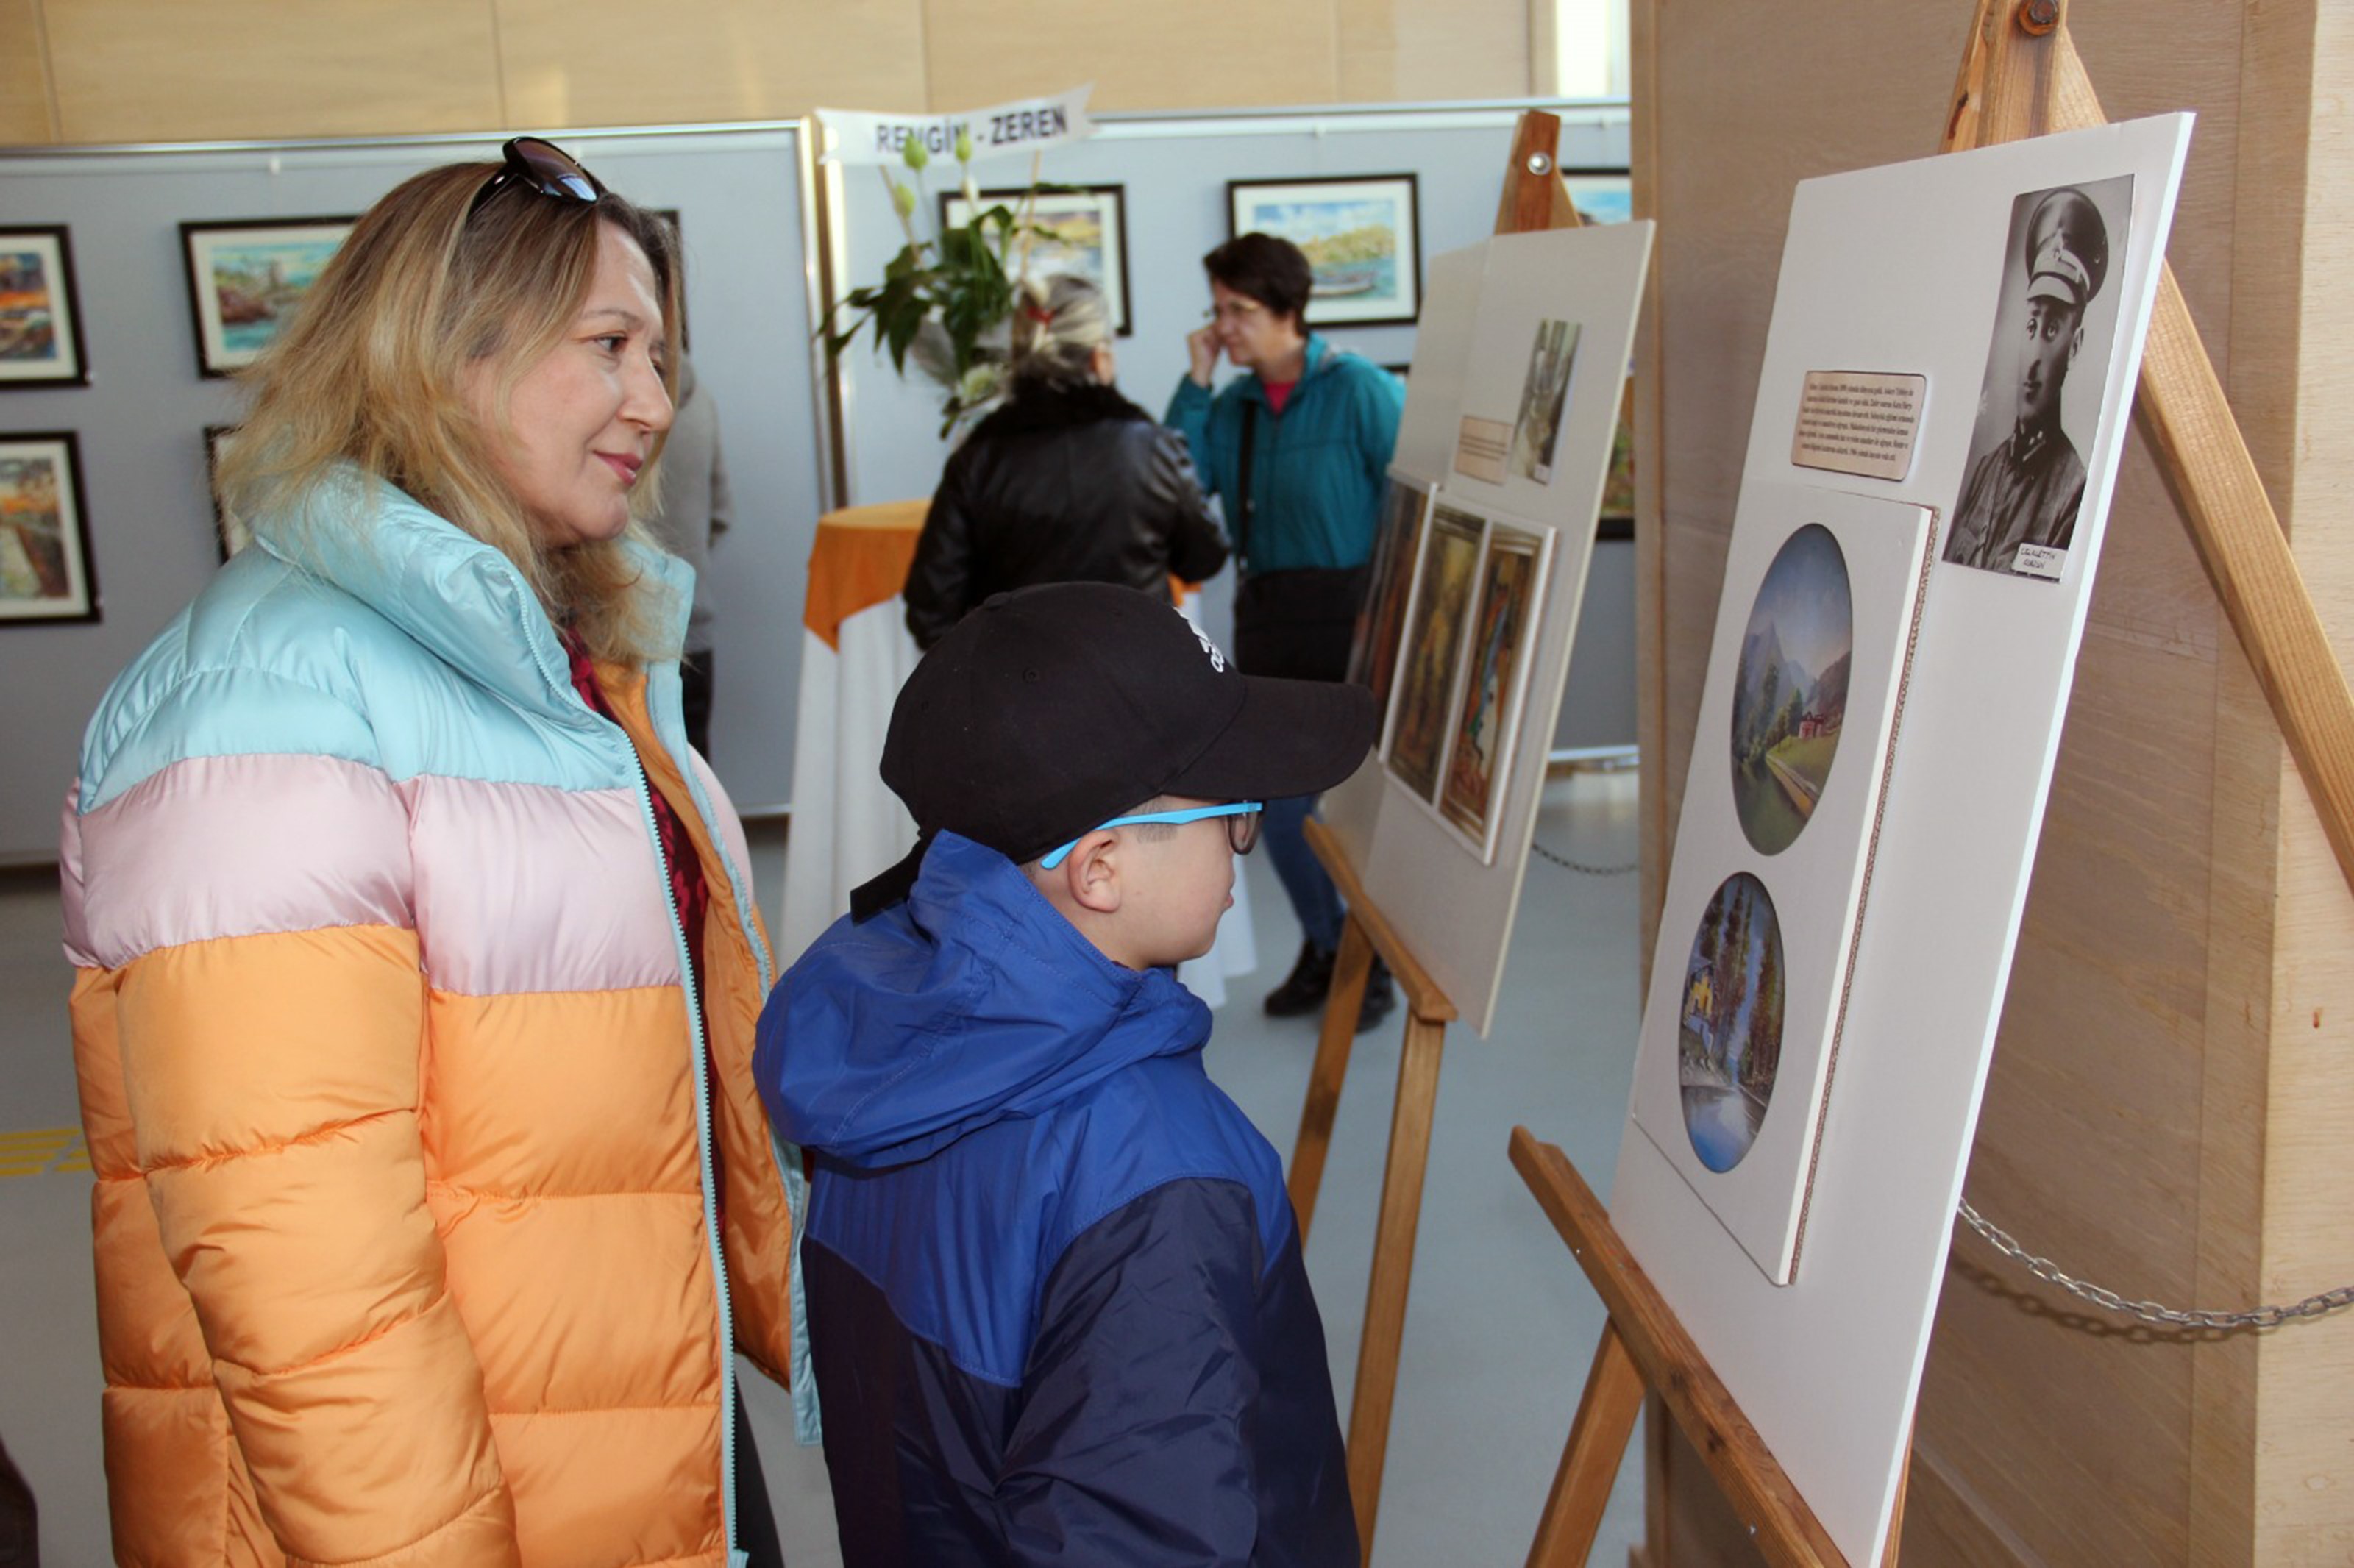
(1217, 660)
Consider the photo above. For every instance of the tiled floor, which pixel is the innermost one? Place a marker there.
(1499, 1326)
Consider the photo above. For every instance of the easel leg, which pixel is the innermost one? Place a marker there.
(1377, 1352)
(1350, 971)
(1589, 1462)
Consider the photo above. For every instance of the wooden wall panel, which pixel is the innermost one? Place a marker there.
(1209, 54)
(1429, 49)
(26, 111)
(614, 62)
(132, 71)
(2154, 1119)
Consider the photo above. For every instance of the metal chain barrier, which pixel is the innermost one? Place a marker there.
(1564, 860)
(2043, 1268)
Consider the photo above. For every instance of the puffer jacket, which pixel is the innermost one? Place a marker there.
(1060, 486)
(1057, 1308)
(407, 1246)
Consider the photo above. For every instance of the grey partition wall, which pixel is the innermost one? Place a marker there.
(1173, 171)
(141, 421)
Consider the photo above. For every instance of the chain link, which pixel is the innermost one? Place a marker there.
(1564, 860)
(2043, 1268)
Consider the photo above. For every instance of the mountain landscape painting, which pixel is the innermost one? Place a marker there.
(1790, 689)
(1729, 1025)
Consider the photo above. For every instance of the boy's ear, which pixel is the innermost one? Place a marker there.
(1091, 875)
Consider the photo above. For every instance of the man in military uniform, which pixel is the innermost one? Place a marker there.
(2027, 489)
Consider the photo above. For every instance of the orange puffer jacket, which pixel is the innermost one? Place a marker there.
(407, 1250)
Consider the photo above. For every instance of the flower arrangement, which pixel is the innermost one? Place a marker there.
(945, 299)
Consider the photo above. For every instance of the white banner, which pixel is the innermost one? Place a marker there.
(1033, 124)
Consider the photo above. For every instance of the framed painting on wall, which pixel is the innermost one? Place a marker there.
(1361, 235)
(1076, 229)
(229, 535)
(245, 280)
(45, 572)
(40, 319)
(1601, 195)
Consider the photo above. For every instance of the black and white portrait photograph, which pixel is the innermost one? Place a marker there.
(2038, 410)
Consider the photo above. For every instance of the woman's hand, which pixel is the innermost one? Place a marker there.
(1201, 347)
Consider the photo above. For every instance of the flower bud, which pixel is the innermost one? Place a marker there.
(911, 153)
(903, 200)
(964, 144)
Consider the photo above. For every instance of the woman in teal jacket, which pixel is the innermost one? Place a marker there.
(1297, 452)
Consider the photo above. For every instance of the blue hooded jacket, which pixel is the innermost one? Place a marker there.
(1058, 1308)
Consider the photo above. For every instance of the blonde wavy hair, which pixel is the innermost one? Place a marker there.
(373, 373)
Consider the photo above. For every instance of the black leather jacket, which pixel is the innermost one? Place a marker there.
(1062, 485)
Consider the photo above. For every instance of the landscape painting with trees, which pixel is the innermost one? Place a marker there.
(1729, 1035)
(1790, 689)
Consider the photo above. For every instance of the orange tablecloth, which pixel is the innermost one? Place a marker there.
(861, 558)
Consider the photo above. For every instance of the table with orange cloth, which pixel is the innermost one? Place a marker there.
(855, 654)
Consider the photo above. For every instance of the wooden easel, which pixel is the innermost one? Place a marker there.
(1644, 1346)
(1533, 199)
(2020, 76)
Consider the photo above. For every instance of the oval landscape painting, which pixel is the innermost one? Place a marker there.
(1789, 692)
(1729, 1033)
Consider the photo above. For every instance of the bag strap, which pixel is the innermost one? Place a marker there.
(1243, 505)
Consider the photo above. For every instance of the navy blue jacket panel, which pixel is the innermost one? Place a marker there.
(1058, 1308)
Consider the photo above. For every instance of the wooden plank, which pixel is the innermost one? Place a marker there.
(1534, 198)
(1424, 999)
(28, 113)
(1385, 1292)
(1589, 1461)
(1350, 969)
(1785, 1527)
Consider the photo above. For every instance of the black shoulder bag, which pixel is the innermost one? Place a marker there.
(1299, 623)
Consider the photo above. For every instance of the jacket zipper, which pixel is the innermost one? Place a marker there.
(703, 1145)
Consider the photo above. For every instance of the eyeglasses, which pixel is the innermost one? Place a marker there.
(1242, 826)
(542, 166)
(1233, 309)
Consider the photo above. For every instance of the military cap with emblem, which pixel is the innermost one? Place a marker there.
(2067, 250)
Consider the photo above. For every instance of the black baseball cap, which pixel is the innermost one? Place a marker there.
(1051, 709)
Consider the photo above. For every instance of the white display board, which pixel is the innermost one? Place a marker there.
(1827, 1367)
(1487, 407)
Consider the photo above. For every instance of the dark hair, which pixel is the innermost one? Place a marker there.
(1266, 268)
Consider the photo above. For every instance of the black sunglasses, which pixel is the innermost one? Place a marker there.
(542, 166)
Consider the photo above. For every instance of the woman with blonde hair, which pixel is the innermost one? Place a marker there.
(418, 963)
(1066, 481)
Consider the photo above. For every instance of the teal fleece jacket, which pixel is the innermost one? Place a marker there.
(1317, 470)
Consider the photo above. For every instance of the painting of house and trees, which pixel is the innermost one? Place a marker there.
(1790, 686)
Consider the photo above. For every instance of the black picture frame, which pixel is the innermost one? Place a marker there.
(1394, 299)
(26, 543)
(221, 350)
(40, 321)
(1110, 201)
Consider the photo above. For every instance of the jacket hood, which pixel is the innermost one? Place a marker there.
(456, 595)
(971, 1003)
(1319, 358)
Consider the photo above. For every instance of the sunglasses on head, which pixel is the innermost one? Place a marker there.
(542, 166)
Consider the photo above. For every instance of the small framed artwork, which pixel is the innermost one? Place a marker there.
(1601, 195)
(1397, 548)
(678, 237)
(1080, 229)
(1361, 235)
(1503, 631)
(229, 535)
(45, 572)
(1435, 624)
(245, 280)
(40, 319)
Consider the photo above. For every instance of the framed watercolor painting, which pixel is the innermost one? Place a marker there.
(1601, 195)
(246, 279)
(1361, 234)
(46, 573)
(1487, 723)
(1434, 643)
(1397, 547)
(40, 319)
(1077, 229)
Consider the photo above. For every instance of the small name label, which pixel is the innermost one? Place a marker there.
(1482, 447)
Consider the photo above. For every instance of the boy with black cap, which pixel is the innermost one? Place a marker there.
(1058, 1308)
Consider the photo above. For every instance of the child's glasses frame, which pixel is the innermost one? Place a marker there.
(1242, 826)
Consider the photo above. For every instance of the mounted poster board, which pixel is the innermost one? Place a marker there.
(1520, 357)
(1827, 1367)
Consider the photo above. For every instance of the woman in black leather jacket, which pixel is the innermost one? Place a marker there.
(1067, 481)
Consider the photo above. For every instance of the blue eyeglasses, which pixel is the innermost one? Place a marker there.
(1242, 826)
